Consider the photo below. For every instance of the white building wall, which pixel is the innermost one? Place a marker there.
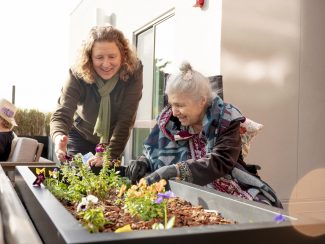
(197, 30)
(273, 66)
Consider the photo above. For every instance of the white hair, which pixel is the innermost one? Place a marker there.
(190, 82)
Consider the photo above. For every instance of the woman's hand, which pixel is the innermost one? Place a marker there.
(61, 142)
(95, 161)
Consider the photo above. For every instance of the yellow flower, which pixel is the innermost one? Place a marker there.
(122, 190)
(125, 228)
(160, 186)
(142, 183)
(39, 171)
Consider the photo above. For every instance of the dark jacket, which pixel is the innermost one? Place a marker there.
(5, 145)
(78, 106)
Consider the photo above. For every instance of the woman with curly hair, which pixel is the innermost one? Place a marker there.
(100, 98)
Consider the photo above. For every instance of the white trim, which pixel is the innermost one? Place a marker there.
(144, 124)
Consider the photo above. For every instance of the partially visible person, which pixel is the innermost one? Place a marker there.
(197, 139)
(7, 123)
(100, 98)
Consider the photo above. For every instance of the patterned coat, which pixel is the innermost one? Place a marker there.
(201, 157)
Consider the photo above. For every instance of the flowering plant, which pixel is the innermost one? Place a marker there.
(100, 149)
(139, 200)
(163, 198)
(106, 201)
(76, 184)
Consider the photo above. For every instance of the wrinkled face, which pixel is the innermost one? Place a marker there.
(189, 111)
(107, 59)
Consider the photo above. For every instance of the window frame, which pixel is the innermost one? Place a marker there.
(145, 123)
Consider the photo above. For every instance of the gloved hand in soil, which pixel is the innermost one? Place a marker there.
(136, 169)
(165, 172)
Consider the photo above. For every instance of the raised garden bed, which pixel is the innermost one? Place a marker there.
(256, 222)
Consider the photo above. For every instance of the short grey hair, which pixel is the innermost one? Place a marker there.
(191, 82)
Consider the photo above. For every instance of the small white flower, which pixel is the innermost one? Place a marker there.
(92, 199)
(82, 205)
(85, 201)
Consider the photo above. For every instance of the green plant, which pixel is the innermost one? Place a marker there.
(92, 216)
(94, 219)
(79, 181)
(75, 183)
(140, 200)
(162, 198)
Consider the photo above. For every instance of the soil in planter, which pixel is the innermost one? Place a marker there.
(186, 215)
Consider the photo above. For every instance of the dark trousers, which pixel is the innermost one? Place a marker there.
(77, 144)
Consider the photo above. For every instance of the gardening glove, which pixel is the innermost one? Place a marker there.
(61, 142)
(165, 172)
(136, 169)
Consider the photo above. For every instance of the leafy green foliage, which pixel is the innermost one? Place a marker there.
(94, 219)
(140, 201)
(76, 184)
(76, 181)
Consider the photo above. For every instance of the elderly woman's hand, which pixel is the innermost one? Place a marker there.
(165, 172)
(95, 161)
(136, 170)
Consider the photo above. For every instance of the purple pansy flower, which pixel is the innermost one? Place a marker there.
(39, 179)
(99, 149)
(279, 218)
(162, 196)
(68, 157)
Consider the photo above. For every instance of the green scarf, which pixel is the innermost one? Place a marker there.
(102, 126)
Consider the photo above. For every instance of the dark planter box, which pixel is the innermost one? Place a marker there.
(256, 221)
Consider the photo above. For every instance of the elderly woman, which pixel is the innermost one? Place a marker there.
(197, 139)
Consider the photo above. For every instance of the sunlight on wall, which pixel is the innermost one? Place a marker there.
(275, 69)
(34, 51)
(311, 185)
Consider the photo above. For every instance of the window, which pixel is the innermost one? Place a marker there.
(155, 48)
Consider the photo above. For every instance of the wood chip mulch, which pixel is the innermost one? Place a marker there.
(185, 213)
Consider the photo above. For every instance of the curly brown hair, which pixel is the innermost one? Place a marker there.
(83, 67)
